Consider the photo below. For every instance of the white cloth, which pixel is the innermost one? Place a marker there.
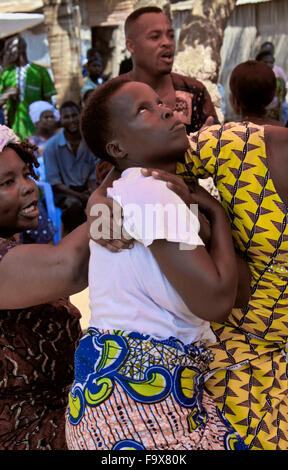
(7, 136)
(38, 107)
(127, 289)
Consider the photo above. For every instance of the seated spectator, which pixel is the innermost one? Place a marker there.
(45, 118)
(70, 168)
(94, 70)
(275, 107)
(253, 86)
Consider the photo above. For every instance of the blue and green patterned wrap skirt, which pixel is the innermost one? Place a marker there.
(132, 391)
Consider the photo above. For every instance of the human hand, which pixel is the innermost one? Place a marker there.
(209, 122)
(174, 182)
(11, 92)
(208, 204)
(83, 196)
(105, 223)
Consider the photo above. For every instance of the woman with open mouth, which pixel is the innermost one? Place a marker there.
(39, 328)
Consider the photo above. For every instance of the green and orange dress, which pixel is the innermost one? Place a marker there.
(248, 376)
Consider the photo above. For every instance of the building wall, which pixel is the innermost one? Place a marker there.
(106, 13)
(110, 17)
(249, 26)
(37, 45)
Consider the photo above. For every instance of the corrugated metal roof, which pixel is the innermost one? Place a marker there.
(19, 6)
(12, 23)
(245, 2)
(186, 5)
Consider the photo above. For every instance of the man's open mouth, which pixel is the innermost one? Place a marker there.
(167, 55)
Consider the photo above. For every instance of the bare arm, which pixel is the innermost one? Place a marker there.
(206, 281)
(113, 175)
(99, 197)
(36, 274)
(11, 92)
(91, 186)
(70, 192)
(177, 184)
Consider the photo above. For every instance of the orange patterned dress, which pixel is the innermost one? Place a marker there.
(248, 377)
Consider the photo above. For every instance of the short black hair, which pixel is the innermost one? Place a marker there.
(253, 84)
(26, 151)
(137, 13)
(269, 44)
(21, 41)
(93, 54)
(260, 56)
(95, 121)
(69, 104)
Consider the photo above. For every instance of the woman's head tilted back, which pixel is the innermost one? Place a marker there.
(127, 124)
(18, 191)
(96, 125)
(253, 86)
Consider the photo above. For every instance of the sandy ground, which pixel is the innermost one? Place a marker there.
(81, 301)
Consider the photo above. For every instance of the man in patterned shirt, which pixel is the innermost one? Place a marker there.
(150, 40)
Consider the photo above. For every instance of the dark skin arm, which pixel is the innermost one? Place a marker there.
(91, 186)
(11, 92)
(196, 271)
(36, 274)
(177, 185)
(118, 238)
(66, 190)
(206, 280)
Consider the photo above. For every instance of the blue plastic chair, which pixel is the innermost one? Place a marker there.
(54, 212)
(40, 171)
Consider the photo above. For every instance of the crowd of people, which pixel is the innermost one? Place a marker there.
(161, 366)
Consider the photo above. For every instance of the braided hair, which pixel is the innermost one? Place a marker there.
(25, 150)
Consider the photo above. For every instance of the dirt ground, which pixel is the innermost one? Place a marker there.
(81, 301)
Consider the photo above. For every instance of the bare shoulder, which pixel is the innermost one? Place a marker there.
(276, 141)
(276, 134)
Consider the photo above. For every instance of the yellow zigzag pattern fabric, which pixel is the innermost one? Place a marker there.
(248, 377)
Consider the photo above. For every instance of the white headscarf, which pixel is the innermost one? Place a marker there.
(38, 107)
(7, 136)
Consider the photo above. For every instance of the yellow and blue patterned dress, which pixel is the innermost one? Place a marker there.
(248, 377)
